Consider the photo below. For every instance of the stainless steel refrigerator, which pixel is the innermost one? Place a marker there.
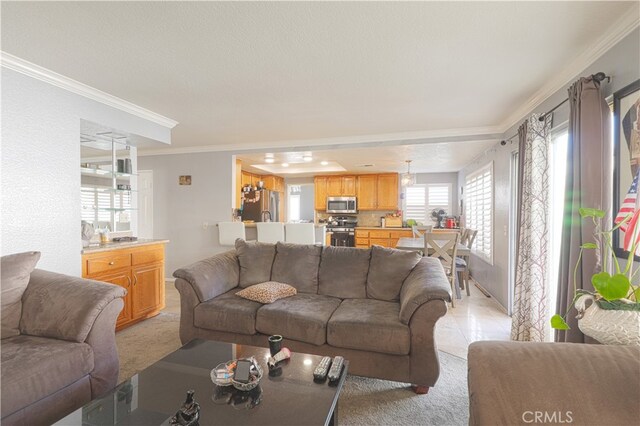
(256, 202)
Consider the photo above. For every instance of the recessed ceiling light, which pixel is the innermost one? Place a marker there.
(324, 163)
(285, 164)
(307, 158)
(268, 158)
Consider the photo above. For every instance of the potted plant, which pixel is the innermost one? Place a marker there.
(613, 317)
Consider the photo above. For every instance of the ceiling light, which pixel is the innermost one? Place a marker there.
(307, 158)
(324, 163)
(408, 179)
(285, 164)
(268, 158)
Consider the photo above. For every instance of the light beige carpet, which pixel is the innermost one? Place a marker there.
(363, 401)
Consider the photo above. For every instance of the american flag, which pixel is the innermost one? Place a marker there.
(630, 207)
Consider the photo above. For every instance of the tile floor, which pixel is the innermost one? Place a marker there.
(475, 317)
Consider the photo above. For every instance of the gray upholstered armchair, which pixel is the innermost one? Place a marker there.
(65, 354)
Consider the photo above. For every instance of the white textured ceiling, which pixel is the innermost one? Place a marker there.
(253, 74)
(425, 158)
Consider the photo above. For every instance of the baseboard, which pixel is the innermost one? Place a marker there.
(489, 295)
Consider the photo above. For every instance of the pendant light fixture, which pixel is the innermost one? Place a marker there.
(408, 179)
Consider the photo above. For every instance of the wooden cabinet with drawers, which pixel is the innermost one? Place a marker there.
(384, 237)
(140, 270)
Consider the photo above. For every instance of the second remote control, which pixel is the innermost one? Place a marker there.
(336, 369)
(321, 371)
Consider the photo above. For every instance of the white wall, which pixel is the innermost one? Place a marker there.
(40, 166)
(622, 62)
(179, 211)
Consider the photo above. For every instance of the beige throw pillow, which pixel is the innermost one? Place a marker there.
(267, 292)
(16, 271)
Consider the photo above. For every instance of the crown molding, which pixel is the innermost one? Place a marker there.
(43, 74)
(407, 138)
(619, 30)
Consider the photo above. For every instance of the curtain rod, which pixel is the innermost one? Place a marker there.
(599, 76)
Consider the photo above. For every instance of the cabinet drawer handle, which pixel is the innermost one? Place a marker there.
(135, 280)
(129, 279)
(112, 263)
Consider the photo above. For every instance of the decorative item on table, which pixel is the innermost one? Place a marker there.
(87, 232)
(224, 374)
(188, 414)
(613, 317)
(275, 344)
(285, 353)
(104, 235)
(223, 395)
(393, 220)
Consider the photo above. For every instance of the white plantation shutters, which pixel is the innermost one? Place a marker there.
(479, 215)
(421, 200)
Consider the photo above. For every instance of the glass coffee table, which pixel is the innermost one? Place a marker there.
(285, 396)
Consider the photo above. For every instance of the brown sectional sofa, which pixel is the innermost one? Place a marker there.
(521, 383)
(376, 307)
(65, 353)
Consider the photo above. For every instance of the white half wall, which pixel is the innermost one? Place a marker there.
(180, 211)
(40, 166)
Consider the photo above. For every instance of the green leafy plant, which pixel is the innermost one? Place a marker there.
(613, 289)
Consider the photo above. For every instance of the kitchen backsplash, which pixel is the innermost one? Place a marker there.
(369, 218)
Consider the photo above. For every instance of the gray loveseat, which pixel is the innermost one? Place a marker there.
(376, 307)
(65, 353)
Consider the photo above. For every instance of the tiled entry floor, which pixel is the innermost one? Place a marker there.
(474, 318)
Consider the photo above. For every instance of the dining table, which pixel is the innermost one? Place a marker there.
(418, 244)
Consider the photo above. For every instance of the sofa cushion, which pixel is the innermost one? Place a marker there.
(297, 265)
(301, 317)
(267, 292)
(15, 270)
(36, 367)
(388, 270)
(369, 325)
(227, 312)
(256, 261)
(343, 272)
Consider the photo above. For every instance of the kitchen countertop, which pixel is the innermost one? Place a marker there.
(97, 247)
(253, 224)
(390, 228)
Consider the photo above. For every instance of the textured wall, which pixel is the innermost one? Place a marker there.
(40, 166)
(179, 211)
(622, 62)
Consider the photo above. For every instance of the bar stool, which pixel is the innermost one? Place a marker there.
(300, 233)
(270, 232)
(229, 232)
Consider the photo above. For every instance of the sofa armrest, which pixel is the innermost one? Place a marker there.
(212, 276)
(64, 307)
(427, 281)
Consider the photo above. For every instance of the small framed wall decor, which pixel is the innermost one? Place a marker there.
(185, 180)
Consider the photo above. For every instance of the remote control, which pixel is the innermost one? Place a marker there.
(336, 369)
(321, 371)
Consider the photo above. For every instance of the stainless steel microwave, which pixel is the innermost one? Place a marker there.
(341, 205)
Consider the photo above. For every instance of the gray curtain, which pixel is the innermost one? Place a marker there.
(531, 293)
(588, 184)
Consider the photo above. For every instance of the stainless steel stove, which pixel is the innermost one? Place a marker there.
(343, 230)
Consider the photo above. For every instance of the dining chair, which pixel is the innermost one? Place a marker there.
(419, 230)
(229, 232)
(444, 246)
(462, 262)
(270, 232)
(300, 233)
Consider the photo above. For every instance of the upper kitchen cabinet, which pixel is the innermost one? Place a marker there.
(349, 186)
(367, 191)
(320, 183)
(238, 184)
(334, 186)
(273, 183)
(387, 192)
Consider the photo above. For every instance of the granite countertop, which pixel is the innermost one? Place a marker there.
(97, 247)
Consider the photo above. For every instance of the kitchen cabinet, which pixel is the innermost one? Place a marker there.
(387, 192)
(367, 192)
(334, 186)
(348, 186)
(139, 270)
(238, 184)
(247, 178)
(273, 183)
(384, 237)
(320, 192)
